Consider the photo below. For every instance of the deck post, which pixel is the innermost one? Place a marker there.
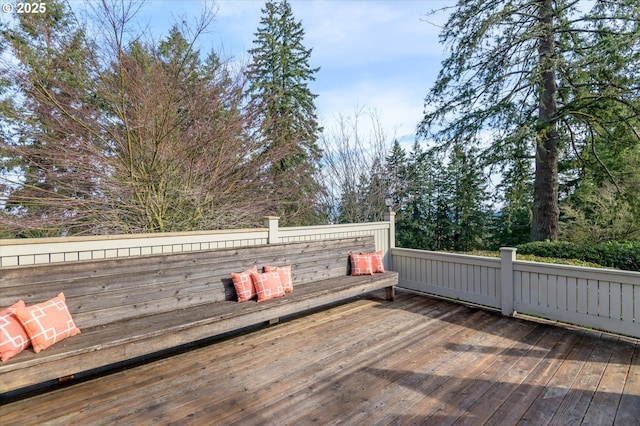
(507, 257)
(390, 216)
(271, 223)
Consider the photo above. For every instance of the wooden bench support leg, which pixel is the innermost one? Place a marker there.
(391, 293)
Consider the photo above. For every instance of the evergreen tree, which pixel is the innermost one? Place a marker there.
(443, 203)
(602, 160)
(511, 225)
(516, 71)
(414, 221)
(468, 200)
(396, 172)
(441, 216)
(279, 75)
(372, 201)
(125, 135)
(40, 189)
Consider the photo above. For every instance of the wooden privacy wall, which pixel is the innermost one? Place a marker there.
(605, 299)
(379, 230)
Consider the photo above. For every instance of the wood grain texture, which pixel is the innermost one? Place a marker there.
(132, 307)
(416, 361)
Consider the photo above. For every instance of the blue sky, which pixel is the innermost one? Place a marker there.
(372, 54)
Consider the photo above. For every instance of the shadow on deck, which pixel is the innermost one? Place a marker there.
(416, 361)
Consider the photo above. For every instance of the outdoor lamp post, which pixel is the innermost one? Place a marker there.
(388, 201)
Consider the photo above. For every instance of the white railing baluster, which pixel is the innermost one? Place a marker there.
(605, 299)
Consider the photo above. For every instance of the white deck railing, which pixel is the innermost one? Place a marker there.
(18, 252)
(50, 250)
(473, 279)
(600, 298)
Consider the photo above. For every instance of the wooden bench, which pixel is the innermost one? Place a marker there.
(133, 307)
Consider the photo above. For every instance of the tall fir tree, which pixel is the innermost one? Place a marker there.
(515, 71)
(109, 133)
(414, 224)
(41, 189)
(468, 200)
(279, 74)
(396, 170)
(601, 168)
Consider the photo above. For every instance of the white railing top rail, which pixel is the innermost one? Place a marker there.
(625, 277)
(120, 237)
(337, 227)
(29, 251)
(449, 257)
(66, 249)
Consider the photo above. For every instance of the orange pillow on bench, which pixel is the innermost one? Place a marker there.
(360, 264)
(376, 261)
(13, 337)
(243, 283)
(47, 323)
(285, 276)
(268, 285)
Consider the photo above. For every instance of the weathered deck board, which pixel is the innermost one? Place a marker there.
(418, 360)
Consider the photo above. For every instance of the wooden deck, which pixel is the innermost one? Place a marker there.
(415, 361)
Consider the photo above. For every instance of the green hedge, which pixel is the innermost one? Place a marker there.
(620, 255)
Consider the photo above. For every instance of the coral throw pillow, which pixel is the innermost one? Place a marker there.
(13, 336)
(243, 283)
(376, 261)
(285, 276)
(268, 285)
(361, 264)
(47, 323)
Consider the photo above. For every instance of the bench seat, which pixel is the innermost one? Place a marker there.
(150, 327)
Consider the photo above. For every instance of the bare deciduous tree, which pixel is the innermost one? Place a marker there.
(124, 135)
(353, 167)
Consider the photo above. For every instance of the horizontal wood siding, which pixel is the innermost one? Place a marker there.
(600, 298)
(107, 290)
(379, 230)
(470, 278)
(133, 306)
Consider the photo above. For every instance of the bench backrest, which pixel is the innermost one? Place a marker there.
(102, 291)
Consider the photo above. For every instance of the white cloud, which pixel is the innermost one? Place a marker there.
(399, 107)
(361, 32)
(377, 54)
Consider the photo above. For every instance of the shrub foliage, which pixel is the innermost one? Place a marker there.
(612, 254)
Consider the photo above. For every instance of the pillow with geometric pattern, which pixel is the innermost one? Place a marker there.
(285, 276)
(268, 285)
(376, 261)
(243, 283)
(360, 264)
(13, 337)
(47, 323)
